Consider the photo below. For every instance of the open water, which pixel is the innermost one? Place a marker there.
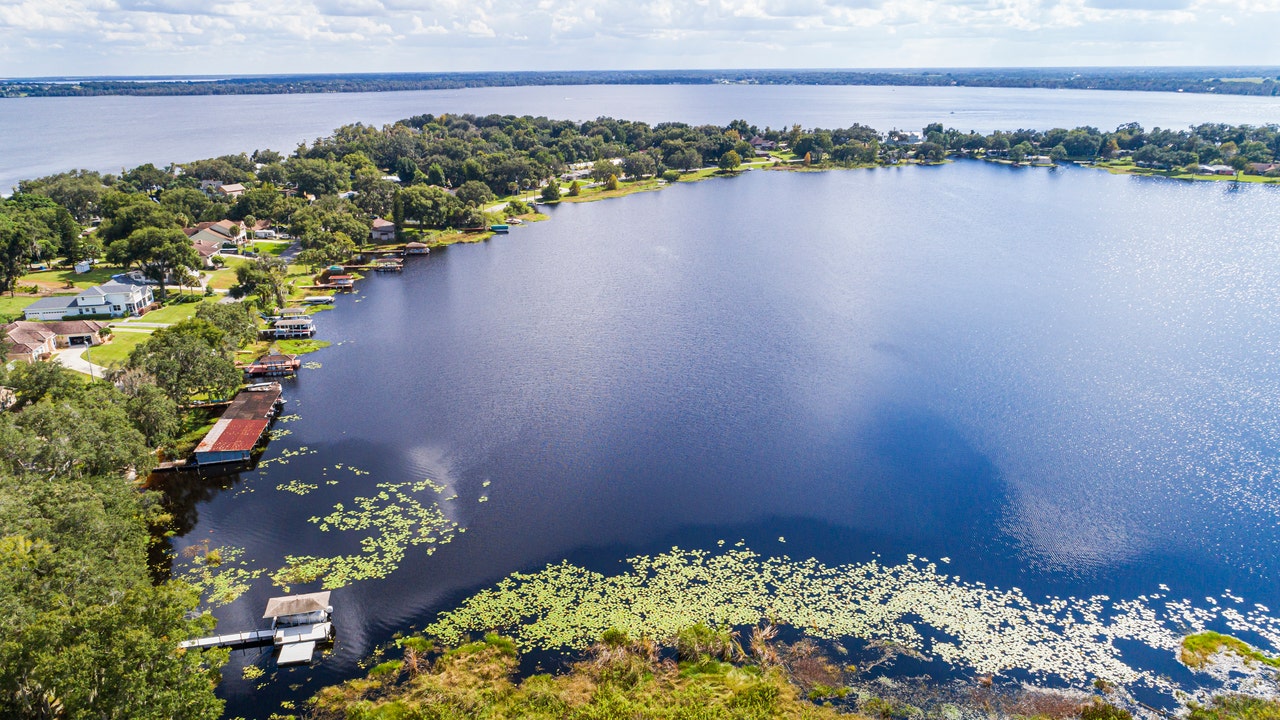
(1060, 380)
(39, 136)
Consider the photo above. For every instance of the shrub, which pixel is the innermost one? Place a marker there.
(671, 175)
(1099, 710)
(611, 183)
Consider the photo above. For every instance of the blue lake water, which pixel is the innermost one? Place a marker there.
(1061, 380)
(46, 135)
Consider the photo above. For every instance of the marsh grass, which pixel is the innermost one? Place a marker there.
(1198, 648)
(620, 678)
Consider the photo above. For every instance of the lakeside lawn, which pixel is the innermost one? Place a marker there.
(117, 351)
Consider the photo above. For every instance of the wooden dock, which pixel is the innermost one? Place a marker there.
(233, 640)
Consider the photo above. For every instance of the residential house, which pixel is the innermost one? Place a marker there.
(207, 249)
(122, 296)
(263, 229)
(1263, 168)
(223, 232)
(33, 341)
(383, 231)
(761, 146)
(231, 191)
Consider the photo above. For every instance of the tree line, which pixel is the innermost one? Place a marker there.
(1264, 80)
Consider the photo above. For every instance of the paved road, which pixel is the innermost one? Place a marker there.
(73, 358)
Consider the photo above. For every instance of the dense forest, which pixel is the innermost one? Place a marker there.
(85, 631)
(1221, 80)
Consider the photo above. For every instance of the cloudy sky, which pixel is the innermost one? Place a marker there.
(138, 37)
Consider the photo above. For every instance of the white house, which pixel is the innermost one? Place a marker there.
(116, 298)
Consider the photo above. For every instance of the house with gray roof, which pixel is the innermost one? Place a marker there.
(117, 298)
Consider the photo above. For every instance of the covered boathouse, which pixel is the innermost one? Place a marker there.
(237, 432)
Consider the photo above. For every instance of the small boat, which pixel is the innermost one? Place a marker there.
(318, 300)
(500, 228)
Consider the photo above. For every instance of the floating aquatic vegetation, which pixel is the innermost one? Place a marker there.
(394, 520)
(277, 433)
(311, 365)
(220, 574)
(484, 498)
(967, 624)
(288, 418)
(297, 487)
(286, 455)
(486, 483)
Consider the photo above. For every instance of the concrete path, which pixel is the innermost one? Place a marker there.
(73, 359)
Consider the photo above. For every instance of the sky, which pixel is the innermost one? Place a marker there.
(214, 37)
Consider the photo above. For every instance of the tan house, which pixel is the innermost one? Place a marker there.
(383, 230)
(34, 341)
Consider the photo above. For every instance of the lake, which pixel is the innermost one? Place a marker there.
(48, 135)
(1051, 380)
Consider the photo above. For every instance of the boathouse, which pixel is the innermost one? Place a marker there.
(293, 327)
(241, 426)
(342, 281)
(273, 366)
(416, 248)
(299, 622)
(388, 265)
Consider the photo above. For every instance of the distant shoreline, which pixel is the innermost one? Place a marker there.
(1261, 81)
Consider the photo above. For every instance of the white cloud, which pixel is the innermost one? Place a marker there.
(93, 36)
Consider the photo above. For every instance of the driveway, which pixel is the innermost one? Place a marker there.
(73, 359)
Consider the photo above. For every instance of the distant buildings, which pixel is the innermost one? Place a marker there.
(383, 231)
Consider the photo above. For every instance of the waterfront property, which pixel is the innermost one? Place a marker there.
(235, 435)
(382, 231)
(388, 265)
(416, 248)
(345, 282)
(291, 327)
(273, 366)
(298, 624)
(118, 298)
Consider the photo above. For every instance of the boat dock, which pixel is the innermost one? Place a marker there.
(237, 432)
(233, 641)
(299, 623)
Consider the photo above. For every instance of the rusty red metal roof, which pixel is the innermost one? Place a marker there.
(243, 422)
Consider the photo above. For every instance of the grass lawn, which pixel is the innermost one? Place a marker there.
(117, 351)
(55, 280)
(624, 188)
(170, 314)
(268, 247)
(13, 306)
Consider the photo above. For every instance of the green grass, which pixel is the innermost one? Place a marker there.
(117, 351)
(301, 346)
(59, 278)
(1198, 648)
(1235, 707)
(172, 313)
(13, 306)
(274, 249)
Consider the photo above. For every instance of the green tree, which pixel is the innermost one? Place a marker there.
(1058, 153)
(611, 183)
(264, 278)
(575, 189)
(730, 161)
(163, 254)
(318, 177)
(551, 191)
(187, 202)
(16, 251)
(474, 192)
(188, 360)
(233, 319)
(154, 414)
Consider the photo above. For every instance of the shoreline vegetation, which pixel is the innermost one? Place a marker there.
(75, 517)
(1258, 81)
